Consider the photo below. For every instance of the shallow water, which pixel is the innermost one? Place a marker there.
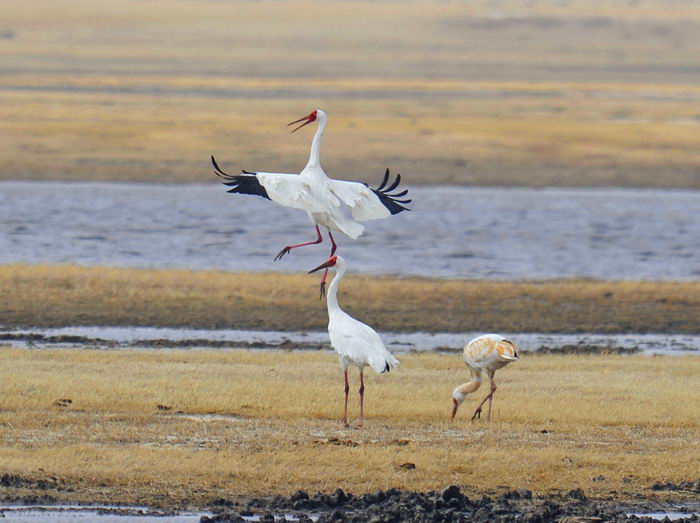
(672, 516)
(462, 232)
(101, 514)
(141, 337)
(112, 514)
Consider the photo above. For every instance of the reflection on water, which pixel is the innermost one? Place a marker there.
(462, 232)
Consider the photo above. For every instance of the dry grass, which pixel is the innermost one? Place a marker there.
(277, 429)
(443, 92)
(36, 295)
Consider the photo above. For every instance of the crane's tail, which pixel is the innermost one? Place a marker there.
(349, 227)
(382, 363)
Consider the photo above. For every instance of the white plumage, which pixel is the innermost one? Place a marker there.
(321, 197)
(357, 344)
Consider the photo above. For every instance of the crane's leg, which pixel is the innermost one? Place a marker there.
(490, 396)
(347, 391)
(362, 400)
(477, 412)
(288, 248)
(325, 273)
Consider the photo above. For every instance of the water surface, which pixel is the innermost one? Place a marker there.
(461, 232)
(140, 337)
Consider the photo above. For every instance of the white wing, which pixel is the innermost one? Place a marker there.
(367, 203)
(290, 190)
(364, 204)
(359, 343)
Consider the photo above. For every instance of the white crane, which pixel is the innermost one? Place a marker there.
(320, 196)
(486, 353)
(356, 343)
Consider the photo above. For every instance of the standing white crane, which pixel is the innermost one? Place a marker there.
(356, 343)
(320, 196)
(486, 353)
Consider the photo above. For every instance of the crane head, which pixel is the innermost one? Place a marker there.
(311, 117)
(457, 399)
(328, 263)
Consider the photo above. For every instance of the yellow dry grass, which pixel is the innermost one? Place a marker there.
(441, 92)
(250, 423)
(60, 295)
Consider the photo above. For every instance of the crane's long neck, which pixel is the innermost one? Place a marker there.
(332, 294)
(315, 155)
(470, 386)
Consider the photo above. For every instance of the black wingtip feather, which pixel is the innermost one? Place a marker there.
(240, 184)
(387, 368)
(386, 179)
(218, 170)
(395, 184)
(390, 200)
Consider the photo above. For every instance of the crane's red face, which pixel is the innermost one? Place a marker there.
(309, 118)
(329, 263)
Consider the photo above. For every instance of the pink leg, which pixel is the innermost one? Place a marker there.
(477, 412)
(362, 400)
(347, 391)
(288, 248)
(334, 247)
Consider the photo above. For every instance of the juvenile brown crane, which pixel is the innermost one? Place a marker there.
(486, 353)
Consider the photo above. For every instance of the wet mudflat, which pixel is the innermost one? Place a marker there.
(462, 232)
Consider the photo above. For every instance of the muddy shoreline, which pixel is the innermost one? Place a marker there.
(449, 504)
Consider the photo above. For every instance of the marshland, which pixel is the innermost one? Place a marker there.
(551, 151)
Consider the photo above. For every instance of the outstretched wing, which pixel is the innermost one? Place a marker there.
(246, 183)
(370, 204)
(288, 190)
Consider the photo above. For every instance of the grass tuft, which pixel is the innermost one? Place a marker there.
(254, 423)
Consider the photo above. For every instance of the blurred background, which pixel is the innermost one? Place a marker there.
(563, 93)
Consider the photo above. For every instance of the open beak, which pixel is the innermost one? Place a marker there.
(308, 119)
(324, 265)
(454, 409)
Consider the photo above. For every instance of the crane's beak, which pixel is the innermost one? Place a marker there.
(324, 265)
(309, 118)
(454, 409)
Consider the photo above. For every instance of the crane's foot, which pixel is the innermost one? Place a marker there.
(323, 290)
(284, 251)
(477, 414)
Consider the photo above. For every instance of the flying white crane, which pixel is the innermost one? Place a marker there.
(356, 343)
(486, 353)
(320, 196)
